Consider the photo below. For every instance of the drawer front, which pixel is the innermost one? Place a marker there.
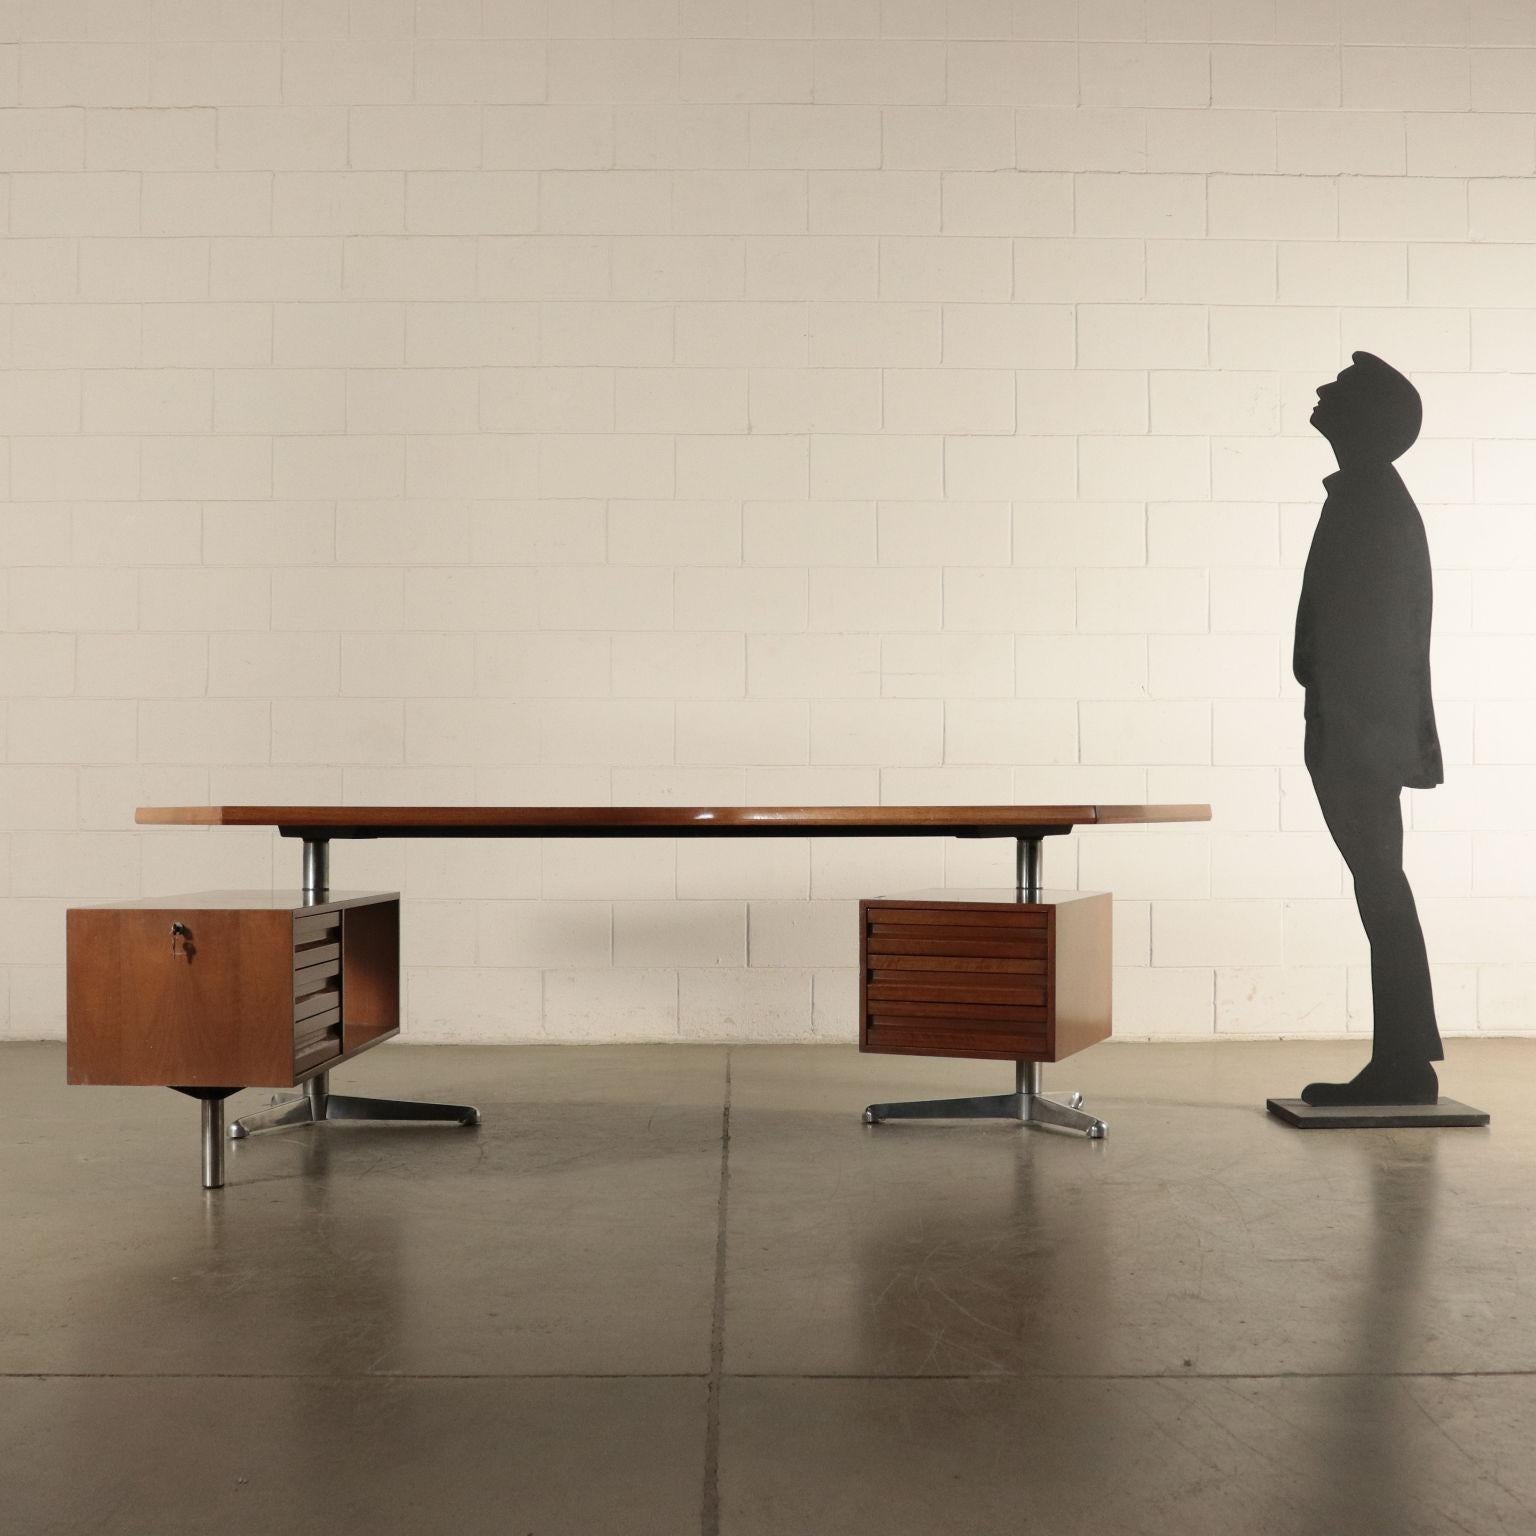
(317, 928)
(311, 1053)
(944, 1037)
(321, 1013)
(317, 989)
(325, 1000)
(312, 977)
(1015, 918)
(956, 982)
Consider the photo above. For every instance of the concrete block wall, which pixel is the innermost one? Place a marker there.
(724, 401)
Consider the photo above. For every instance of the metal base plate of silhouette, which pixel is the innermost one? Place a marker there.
(1381, 1117)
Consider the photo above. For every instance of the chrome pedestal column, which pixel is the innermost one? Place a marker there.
(213, 1143)
(317, 1103)
(1026, 1104)
(211, 1103)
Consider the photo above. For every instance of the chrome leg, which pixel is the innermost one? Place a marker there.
(317, 868)
(1028, 868)
(1026, 1104)
(346, 1106)
(211, 1103)
(1044, 1111)
(997, 1106)
(295, 1110)
(317, 1103)
(213, 1143)
(317, 1094)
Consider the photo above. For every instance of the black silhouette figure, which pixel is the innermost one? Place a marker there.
(1362, 654)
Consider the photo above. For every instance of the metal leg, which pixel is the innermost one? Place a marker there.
(1026, 1104)
(317, 868)
(211, 1104)
(346, 1106)
(1028, 867)
(295, 1110)
(317, 1103)
(213, 1143)
(1044, 1111)
(997, 1106)
(317, 1094)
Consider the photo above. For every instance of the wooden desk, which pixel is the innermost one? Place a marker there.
(317, 826)
(318, 823)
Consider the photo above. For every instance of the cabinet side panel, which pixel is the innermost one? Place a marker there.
(1083, 974)
(93, 1024)
(370, 973)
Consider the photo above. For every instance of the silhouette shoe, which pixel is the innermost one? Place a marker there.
(1381, 1082)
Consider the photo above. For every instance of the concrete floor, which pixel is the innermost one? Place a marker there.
(685, 1289)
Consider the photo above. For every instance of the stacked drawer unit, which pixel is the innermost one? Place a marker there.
(227, 988)
(316, 988)
(984, 974)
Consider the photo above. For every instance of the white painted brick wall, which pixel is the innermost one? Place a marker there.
(616, 401)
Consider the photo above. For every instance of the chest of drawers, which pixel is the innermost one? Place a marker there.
(984, 974)
(226, 988)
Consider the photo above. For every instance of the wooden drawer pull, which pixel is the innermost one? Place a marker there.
(961, 965)
(317, 1051)
(989, 949)
(981, 1014)
(327, 1023)
(919, 988)
(961, 933)
(928, 917)
(317, 1002)
(313, 977)
(307, 930)
(943, 1037)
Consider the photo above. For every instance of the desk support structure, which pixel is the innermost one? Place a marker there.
(316, 882)
(1034, 1029)
(317, 1103)
(1027, 1103)
(211, 1102)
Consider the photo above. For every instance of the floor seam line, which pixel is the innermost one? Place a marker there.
(1022, 1377)
(709, 1516)
(896, 1376)
(376, 1376)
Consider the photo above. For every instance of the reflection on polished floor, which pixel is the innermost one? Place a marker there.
(679, 1289)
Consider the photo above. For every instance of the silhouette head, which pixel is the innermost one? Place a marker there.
(1370, 414)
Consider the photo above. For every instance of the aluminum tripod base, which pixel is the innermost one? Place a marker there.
(318, 1103)
(1026, 1104)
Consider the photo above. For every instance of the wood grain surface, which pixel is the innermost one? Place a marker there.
(945, 974)
(665, 820)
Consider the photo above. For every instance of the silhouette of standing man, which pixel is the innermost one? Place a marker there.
(1362, 654)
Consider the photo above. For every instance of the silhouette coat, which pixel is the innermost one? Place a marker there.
(1362, 655)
